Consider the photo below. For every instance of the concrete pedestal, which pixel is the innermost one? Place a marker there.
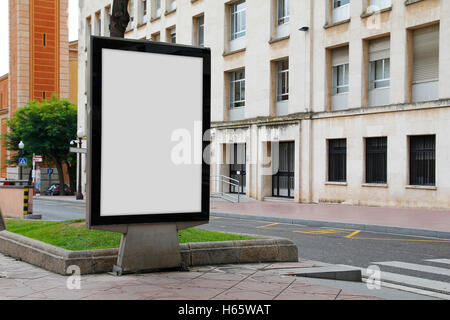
(2, 222)
(148, 248)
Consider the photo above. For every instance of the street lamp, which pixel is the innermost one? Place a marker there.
(80, 135)
(21, 147)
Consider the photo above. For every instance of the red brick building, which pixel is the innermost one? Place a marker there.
(39, 58)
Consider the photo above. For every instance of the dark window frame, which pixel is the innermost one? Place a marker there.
(376, 160)
(422, 160)
(337, 160)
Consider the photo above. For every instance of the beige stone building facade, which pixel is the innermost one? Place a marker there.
(315, 101)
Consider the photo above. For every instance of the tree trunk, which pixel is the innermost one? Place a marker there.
(60, 175)
(30, 177)
(72, 176)
(119, 18)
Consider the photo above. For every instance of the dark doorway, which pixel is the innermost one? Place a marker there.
(238, 167)
(283, 183)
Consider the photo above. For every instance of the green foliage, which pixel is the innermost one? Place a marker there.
(46, 128)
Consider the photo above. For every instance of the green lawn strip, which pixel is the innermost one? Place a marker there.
(72, 235)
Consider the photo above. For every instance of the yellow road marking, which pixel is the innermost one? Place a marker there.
(269, 225)
(353, 234)
(324, 231)
(216, 218)
(407, 240)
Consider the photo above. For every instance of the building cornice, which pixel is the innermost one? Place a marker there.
(296, 117)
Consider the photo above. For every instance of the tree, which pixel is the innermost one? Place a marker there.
(119, 19)
(46, 128)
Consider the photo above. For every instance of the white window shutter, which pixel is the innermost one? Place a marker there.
(426, 54)
(379, 49)
(339, 56)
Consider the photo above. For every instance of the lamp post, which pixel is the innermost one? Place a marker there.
(80, 135)
(21, 147)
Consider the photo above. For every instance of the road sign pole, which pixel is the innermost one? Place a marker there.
(79, 193)
(34, 174)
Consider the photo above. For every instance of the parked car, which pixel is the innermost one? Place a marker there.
(54, 190)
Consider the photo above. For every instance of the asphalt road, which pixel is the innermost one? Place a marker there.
(394, 254)
(59, 210)
(349, 247)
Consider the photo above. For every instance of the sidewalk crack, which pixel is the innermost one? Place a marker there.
(290, 284)
(240, 281)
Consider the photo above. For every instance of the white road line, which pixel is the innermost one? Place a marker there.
(415, 267)
(415, 282)
(414, 290)
(445, 261)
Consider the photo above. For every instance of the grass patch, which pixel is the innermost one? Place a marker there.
(73, 235)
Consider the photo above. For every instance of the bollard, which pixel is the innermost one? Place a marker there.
(26, 196)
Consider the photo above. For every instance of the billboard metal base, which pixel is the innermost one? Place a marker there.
(146, 248)
(2, 222)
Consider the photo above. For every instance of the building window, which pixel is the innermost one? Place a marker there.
(237, 89)
(172, 35)
(337, 160)
(156, 37)
(282, 12)
(108, 21)
(88, 31)
(340, 3)
(283, 80)
(340, 10)
(98, 25)
(425, 82)
(238, 20)
(377, 5)
(340, 78)
(200, 21)
(282, 18)
(156, 7)
(144, 11)
(131, 13)
(171, 5)
(380, 73)
(422, 160)
(376, 160)
(44, 40)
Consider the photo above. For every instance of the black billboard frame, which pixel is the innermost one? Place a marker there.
(94, 156)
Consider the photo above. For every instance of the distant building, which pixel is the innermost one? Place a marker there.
(41, 62)
(350, 99)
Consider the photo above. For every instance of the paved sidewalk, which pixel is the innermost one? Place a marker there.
(395, 220)
(21, 281)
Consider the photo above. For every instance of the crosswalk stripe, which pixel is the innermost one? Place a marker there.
(415, 267)
(415, 282)
(445, 261)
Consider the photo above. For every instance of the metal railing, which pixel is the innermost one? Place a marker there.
(229, 182)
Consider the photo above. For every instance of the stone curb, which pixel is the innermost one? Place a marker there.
(331, 224)
(57, 260)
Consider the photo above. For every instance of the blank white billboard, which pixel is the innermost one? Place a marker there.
(151, 104)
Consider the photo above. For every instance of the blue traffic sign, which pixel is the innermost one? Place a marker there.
(22, 162)
(50, 172)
